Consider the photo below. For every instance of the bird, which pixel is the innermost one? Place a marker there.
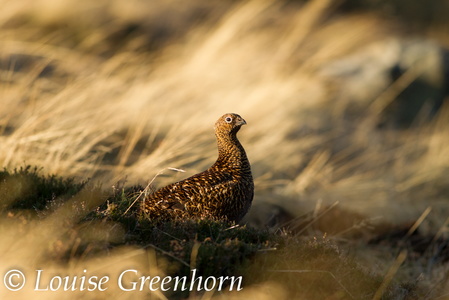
(222, 192)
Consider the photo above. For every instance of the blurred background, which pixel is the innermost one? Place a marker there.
(346, 101)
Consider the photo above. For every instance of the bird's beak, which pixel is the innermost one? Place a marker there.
(242, 122)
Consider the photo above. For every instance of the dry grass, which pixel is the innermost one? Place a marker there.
(84, 93)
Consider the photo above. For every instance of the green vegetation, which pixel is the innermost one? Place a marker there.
(307, 267)
(25, 188)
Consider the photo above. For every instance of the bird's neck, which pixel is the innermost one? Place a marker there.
(230, 151)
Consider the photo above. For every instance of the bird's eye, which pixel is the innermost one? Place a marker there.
(228, 119)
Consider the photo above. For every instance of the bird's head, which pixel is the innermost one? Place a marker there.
(229, 123)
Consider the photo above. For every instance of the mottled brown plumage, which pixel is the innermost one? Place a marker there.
(224, 191)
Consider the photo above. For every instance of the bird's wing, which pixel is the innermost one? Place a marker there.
(193, 191)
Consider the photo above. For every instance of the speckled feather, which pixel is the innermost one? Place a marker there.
(224, 191)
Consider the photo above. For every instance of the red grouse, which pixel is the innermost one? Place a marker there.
(224, 191)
